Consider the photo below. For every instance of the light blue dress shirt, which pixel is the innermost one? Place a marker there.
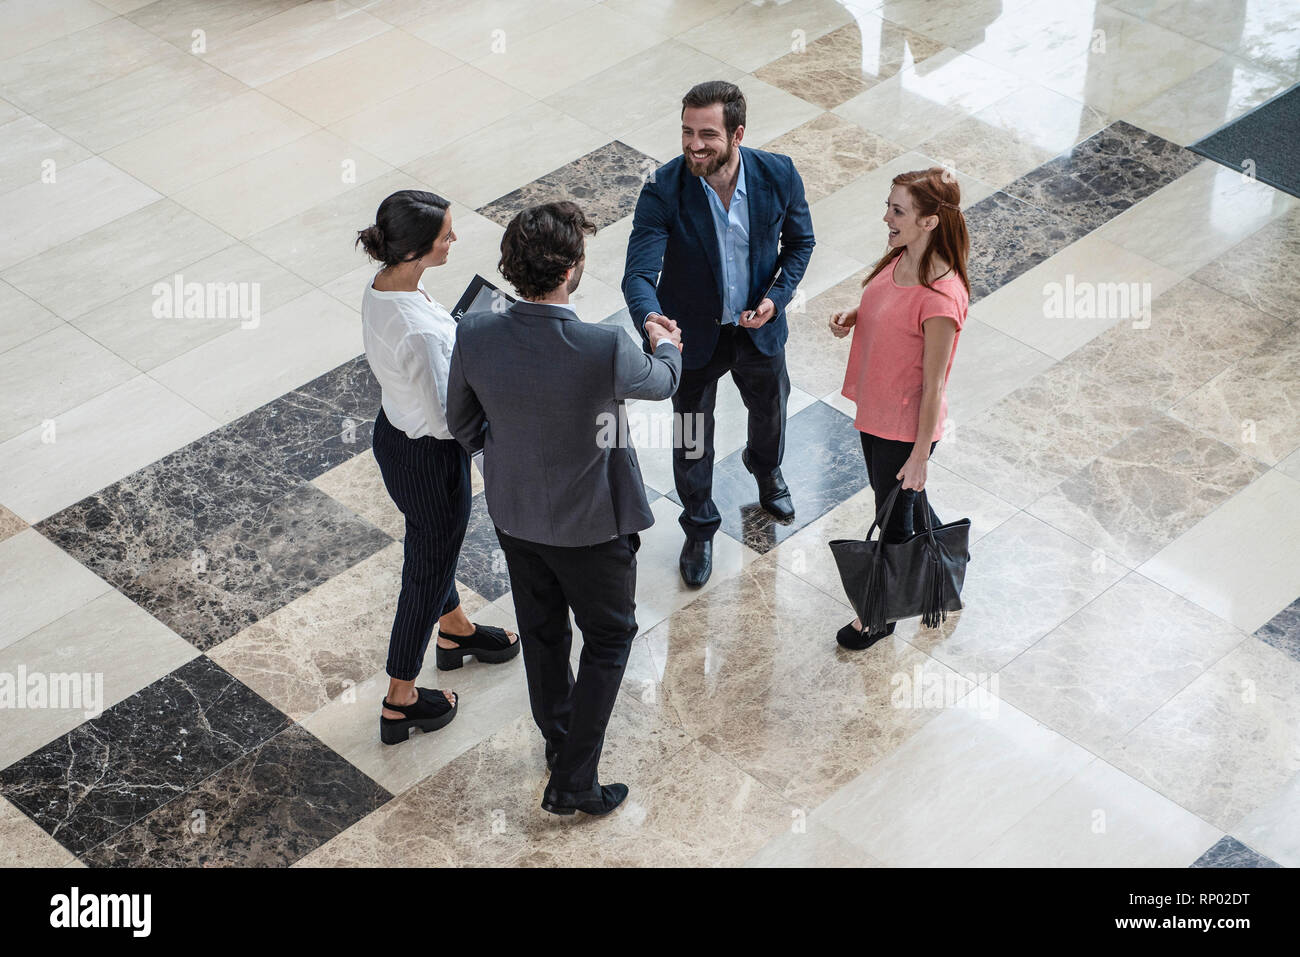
(732, 228)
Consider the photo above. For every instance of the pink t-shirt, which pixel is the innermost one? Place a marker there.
(885, 372)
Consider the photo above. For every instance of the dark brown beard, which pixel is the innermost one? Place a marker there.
(719, 161)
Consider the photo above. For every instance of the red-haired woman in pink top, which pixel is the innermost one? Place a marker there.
(905, 332)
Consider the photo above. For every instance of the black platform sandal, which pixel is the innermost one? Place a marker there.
(855, 640)
(429, 711)
(489, 644)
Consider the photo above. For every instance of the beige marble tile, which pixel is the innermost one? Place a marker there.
(526, 144)
(290, 40)
(471, 31)
(289, 346)
(956, 23)
(24, 843)
(31, 149)
(95, 444)
(84, 196)
(1198, 218)
(749, 36)
(1236, 562)
(1102, 818)
(270, 188)
(424, 118)
(176, 20)
(36, 566)
(809, 844)
(1270, 828)
(1194, 334)
(103, 264)
(1023, 580)
(1221, 92)
(325, 642)
(1128, 63)
(848, 60)
(1226, 745)
(167, 87)
(815, 359)
(360, 76)
(1024, 445)
(1090, 286)
(915, 104)
(954, 786)
(1253, 405)
(358, 484)
(52, 373)
(1029, 38)
(1140, 495)
(1290, 465)
(128, 327)
(672, 16)
(112, 645)
(33, 23)
(1261, 270)
(529, 63)
(1106, 668)
(209, 141)
(830, 152)
(10, 524)
(1014, 135)
(1260, 31)
(988, 367)
(22, 318)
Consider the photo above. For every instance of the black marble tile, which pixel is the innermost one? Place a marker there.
(822, 466)
(482, 563)
(1104, 175)
(169, 508)
(351, 389)
(139, 754)
(1230, 852)
(1009, 237)
(269, 808)
(292, 426)
(605, 183)
(355, 438)
(256, 566)
(1282, 631)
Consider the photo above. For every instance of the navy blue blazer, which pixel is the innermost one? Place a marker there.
(674, 266)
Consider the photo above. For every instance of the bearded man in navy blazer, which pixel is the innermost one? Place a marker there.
(712, 229)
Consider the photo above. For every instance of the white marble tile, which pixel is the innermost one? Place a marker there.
(1102, 818)
(952, 788)
(1075, 295)
(209, 141)
(33, 23)
(360, 76)
(471, 31)
(41, 584)
(288, 41)
(276, 185)
(245, 368)
(426, 118)
(752, 35)
(52, 373)
(1271, 827)
(1237, 561)
(1290, 465)
(673, 16)
(83, 196)
(95, 444)
(103, 264)
(33, 150)
(112, 643)
(988, 366)
(22, 318)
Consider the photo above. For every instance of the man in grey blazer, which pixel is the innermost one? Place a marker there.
(537, 389)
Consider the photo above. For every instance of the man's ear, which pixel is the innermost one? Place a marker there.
(739, 135)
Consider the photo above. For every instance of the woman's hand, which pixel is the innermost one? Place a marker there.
(842, 322)
(914, 471)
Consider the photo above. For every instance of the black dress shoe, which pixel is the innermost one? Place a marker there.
(696, 563)
(773, 493)
(551, 754)
(601, 799)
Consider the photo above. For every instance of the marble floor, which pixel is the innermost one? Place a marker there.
(199, 563)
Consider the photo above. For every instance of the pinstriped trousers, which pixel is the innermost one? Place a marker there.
(428, 478)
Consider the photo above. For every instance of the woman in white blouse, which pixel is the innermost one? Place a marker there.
(409, 338)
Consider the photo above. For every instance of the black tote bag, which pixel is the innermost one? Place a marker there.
(921, 576)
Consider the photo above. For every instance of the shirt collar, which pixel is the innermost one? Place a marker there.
(558, 305)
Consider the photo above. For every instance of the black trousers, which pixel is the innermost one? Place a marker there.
(764, 386)
(885, 458)
(429, 480)
(599, 583)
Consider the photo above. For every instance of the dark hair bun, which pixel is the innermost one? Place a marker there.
(372, 241)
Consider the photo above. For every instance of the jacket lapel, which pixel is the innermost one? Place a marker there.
(761, 201)
(695, 207)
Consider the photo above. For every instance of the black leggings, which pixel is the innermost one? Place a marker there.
(885, 458)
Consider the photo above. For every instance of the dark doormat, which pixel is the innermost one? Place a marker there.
(1264, 142)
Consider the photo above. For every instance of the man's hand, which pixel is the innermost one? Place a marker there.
(660, 328)
(753, 318)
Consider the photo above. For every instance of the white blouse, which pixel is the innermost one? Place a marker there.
(408, 339)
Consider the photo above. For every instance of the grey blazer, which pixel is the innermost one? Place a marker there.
(536, 389)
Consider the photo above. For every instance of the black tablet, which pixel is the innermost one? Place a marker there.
(481, 296)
